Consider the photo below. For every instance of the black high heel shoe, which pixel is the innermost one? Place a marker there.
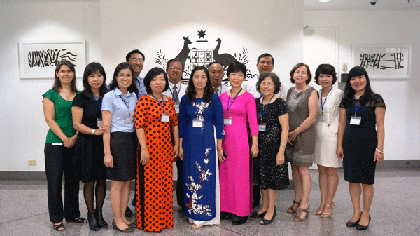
(354, 224)
(267, 222)
(256, 215)
(93, 224)
(363, 227)
(127, 230)
(100, 219)
(239, 220)
(225, 215)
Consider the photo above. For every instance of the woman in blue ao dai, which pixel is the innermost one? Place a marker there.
(200, 111)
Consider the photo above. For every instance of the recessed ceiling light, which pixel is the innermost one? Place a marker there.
(324, 0)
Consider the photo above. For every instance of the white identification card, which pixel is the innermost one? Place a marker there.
(99, 121)
(177, 109)
(322, 118)
(261, 127)
(197, 123)
(165, 117)
(355, 120)
(227, 121)
(57, 144)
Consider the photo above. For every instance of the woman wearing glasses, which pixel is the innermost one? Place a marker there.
(120, 143)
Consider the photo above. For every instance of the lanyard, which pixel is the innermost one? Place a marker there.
(126, 104)
(177, 94)
(161, 103)
(99, 104)
(261, 107)
(323, 103)
(356, 108)
(230, 104)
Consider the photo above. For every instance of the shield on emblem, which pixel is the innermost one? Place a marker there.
(200, 57)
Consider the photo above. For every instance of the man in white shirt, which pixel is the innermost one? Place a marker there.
(265, 63)
(176, 90)
(136, 59)
(216, 73)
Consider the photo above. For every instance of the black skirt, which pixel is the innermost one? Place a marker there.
(123, 150)
(89, 158)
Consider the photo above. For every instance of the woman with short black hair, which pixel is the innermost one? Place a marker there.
(326, 137)
(120, 141)
(155, 122)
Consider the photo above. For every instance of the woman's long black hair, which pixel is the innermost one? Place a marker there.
(208, 90)
(349, 92)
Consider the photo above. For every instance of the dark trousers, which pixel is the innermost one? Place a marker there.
(59, 160)
(179, 184)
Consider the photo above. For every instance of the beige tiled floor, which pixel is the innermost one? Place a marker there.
(395, 211)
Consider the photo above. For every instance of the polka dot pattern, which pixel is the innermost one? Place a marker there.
(155, 179)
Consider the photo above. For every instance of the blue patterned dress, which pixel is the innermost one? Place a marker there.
(200, 156)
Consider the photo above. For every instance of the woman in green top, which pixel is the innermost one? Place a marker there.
(59, 147)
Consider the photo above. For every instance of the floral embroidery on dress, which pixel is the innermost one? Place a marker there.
(193, 206)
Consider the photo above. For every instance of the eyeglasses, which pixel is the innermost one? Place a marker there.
(175, 68)
(137, 60)
(267, 84)
(122, 76)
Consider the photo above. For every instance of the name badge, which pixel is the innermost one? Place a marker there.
(197, 123)
(355, 120)
(227, 121)
(99, 121)
(177, 109)
(165, 117)
(322, 118)
(261, 127)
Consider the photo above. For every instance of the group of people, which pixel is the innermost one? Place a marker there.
(231, 143)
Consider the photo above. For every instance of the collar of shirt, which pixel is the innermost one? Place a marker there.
(117, 93)
(178, 85)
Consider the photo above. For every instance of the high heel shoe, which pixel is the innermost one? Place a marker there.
(93, 224)
(354, 224)
(239, 220)
(100, 219)
(327, 214)
(126, 230)
(320, 209)
(292, 209)
(256, 215)
(265, 221)
(363, 227)
(298, 217)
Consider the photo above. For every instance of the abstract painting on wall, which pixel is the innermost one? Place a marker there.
(38, 59)
(383, 61)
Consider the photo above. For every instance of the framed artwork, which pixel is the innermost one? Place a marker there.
(38, 59)
(383, 61)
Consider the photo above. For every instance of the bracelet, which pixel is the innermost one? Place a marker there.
(283, 145)
(221, 149)
(93, 131)
(382, 152)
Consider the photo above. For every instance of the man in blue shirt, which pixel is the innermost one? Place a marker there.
(136, 59)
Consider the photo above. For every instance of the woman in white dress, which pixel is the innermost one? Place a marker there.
(326, 137)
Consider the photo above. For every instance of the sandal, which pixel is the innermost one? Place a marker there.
(79, 220)
(292, 209)
(320, 209)
(298, 217)
(327, 214)
(59, 227)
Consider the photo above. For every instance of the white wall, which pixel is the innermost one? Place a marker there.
(22, 125)
(402, 119)
(260, 26)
